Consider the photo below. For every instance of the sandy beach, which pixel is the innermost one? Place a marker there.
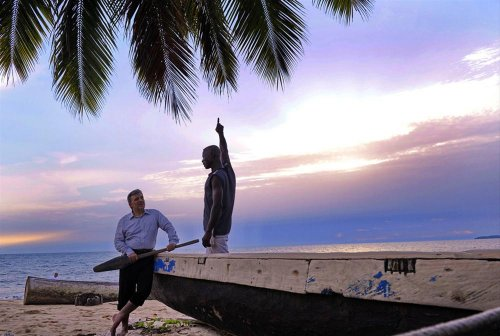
(51, 320)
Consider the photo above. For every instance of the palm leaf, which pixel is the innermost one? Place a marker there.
(23, 27)
(161, 56)
(269, 34)
(211, 33)
(82, 54)
(344, 9)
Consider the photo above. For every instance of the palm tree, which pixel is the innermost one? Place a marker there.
(167, 37)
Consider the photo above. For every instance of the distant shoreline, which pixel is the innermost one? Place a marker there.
(488, 237)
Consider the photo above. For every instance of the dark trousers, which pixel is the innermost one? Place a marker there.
(135, 282)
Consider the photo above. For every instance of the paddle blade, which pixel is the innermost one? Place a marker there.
(113, 264)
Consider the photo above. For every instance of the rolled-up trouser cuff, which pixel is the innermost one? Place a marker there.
(136, 281)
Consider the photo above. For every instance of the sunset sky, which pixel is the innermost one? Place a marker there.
(389, 130)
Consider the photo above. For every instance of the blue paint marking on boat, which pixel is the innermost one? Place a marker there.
(362, 287)
(384, 287)
(311, 279)
(371, 287)
(170, 266)
(163, 266)
(433, 278)
(378, 275)
(159, 265)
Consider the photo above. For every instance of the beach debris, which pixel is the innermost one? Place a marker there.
(158, 325)
(88, 299)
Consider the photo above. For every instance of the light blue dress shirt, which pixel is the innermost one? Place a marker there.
(141, 232)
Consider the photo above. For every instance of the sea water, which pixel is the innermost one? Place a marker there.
(15, 268)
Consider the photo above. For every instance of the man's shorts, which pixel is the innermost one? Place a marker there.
(219, 244)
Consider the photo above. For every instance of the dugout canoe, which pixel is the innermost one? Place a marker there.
(54, 291)
(379, 293)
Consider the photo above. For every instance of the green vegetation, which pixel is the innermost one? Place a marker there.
(158, 325)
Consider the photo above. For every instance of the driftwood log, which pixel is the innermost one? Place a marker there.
(51, 291)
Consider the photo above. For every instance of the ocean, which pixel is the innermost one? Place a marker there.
(15, 268)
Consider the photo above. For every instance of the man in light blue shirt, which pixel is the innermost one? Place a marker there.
(136, 234)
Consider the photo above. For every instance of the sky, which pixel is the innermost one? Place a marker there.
(388, 130)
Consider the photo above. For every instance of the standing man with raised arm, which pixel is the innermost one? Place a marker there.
(220, 190)
(136, 234)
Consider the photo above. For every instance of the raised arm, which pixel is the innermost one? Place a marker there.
(224, 153)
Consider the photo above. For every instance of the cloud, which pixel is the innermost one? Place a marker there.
(438, 134)
(13, 239)
(57, 189)
(324, 121)
(68, 159)
(484, 57)
(441, 169)
(481, 63)
(428, 140)
(180, 183)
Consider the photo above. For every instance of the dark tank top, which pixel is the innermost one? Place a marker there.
(228, 181)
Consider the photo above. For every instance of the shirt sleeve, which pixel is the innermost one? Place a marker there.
(168, 227)
(120, 244)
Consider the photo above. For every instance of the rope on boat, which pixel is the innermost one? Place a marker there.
(459, 326)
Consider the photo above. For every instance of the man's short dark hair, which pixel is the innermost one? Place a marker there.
(213, 150)
(132, 193)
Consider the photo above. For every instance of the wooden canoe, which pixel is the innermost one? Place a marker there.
(381, 293)
(53, 291)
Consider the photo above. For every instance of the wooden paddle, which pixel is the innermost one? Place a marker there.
(123, 261)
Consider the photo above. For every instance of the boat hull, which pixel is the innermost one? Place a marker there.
(246, 310)
(375, 293)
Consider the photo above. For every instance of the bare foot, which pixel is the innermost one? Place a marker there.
(124, 330)
(116, 322)
(124, 326)
(122, 333)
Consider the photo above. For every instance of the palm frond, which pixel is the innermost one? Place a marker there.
(211, 33)
(82, 54)
(163, 61)
(23, 27)
(269, 34)
(344, 9)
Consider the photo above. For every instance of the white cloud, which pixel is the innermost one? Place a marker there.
(68, 159)
(482, 58)
(324, 121)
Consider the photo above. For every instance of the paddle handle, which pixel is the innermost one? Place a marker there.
(147, 254)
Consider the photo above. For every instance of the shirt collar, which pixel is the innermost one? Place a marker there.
(146, 212)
